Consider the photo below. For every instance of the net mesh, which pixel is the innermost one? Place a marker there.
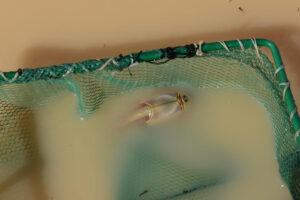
(164, 180)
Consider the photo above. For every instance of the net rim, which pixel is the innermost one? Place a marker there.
(161, 56)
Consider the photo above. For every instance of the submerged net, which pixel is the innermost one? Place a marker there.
(163, 180)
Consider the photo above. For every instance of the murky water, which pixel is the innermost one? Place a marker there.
(219, 132)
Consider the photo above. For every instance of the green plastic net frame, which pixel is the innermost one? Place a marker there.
(230, 64)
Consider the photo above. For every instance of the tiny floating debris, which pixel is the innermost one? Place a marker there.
(159, 108)
(241, 9)
(143, 193)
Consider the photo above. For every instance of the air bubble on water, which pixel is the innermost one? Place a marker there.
(81, 118)
(282, 185)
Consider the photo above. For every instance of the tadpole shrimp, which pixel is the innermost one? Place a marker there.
(159, 108)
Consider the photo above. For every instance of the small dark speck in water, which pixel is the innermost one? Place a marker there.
(104, 45)
(130, 73)
(298, 10)
(185, 191)
(143, 193)
(230, 1)
(241, 9)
